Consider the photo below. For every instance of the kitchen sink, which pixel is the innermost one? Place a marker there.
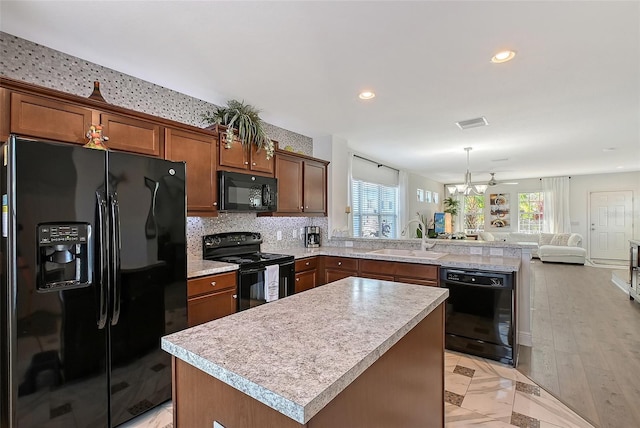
(417, 254)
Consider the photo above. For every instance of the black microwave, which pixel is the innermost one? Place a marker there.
(246, 192)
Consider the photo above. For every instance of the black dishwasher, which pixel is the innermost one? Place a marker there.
(480, 313)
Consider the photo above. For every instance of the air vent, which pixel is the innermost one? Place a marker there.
(472, 123)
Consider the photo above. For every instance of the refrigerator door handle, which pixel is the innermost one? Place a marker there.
(115, 264)
(103, 275)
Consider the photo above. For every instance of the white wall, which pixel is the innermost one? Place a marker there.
(335, 150)
(427, 209)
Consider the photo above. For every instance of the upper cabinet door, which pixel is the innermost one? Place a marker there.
(41, 117)
(289, 175)
(199, 152)
(259, 161)
(131, 135)
(315, 187)
(232, 155)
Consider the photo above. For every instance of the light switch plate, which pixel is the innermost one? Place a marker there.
(279, 235)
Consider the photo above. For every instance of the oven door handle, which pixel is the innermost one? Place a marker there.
(249, 271)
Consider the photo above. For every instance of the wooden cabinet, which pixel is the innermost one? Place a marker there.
(240, 157)
(211, 297)
(413, 273)
(131, 135)
(289, 175)
(306, 274)
(199, 152)
(40, 117)
(302, 184)
(335, 268)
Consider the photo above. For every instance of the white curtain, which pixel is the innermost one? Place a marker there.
(556, 205)
(403, 201)
(349, 191)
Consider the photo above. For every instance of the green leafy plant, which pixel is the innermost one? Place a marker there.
(245, 120)
(451, 206)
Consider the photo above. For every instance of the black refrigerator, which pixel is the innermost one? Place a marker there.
(93, 274)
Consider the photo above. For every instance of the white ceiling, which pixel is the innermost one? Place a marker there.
(572, 90)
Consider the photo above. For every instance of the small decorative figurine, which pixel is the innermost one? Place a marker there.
(96, 139)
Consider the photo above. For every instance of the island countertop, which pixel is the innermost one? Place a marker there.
(298, 353)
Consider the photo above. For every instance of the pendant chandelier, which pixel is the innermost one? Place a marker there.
(468, 188)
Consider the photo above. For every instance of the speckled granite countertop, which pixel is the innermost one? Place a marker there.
(298, 353)
(196, 268)
(499, 264)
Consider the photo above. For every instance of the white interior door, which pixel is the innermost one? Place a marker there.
(611, 215)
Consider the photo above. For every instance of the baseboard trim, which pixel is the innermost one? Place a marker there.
(620, 283)
(524, 338)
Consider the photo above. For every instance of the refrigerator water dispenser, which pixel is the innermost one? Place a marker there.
(64, 260)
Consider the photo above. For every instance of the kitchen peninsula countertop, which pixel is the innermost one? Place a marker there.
(297, 354)
(196, 268)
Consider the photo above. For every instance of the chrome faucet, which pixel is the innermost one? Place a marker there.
(423, 245)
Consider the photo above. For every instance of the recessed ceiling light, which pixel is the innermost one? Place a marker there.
(609, 149)
(366, 95)
(503, 56)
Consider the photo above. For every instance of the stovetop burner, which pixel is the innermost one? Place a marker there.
(241, 248)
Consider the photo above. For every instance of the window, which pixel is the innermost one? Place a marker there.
(530, 212)
(375, 210)
(473, 213)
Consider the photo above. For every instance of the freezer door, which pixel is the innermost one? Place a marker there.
(147, 202)
(56, 368)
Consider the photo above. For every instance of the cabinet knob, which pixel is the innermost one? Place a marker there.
(253, 163)
(235, 296)
(301, 208)
(213, 283)
(307, 207)
(247, 163)
(297, 279)
(339, 263)
(215, 204)
(307, 264)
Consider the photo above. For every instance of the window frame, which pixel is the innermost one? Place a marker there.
(382, 214)
(536, 214)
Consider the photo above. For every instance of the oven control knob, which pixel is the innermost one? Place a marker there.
(213, 241)
(255, 236)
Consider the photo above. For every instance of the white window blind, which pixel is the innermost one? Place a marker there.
(375, 209)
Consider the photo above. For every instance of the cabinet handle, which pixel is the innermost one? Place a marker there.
(213, 283)
(339, 263)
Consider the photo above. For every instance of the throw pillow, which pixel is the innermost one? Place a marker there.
(561, 239)
(545, 238)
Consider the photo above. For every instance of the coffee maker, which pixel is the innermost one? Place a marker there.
(311, 236)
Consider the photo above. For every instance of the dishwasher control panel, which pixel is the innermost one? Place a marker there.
(486, 279)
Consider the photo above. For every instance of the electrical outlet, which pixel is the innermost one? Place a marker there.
(495, 251)
(279, 235)
(348, 243)
(475, 250)
(294, 235)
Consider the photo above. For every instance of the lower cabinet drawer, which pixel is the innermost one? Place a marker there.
(306, 264)
(207, 284)
(341, 263)
(211, 306)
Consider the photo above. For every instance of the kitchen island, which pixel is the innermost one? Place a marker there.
(356, 352)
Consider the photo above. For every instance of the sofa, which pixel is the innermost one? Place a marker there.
(548, 247)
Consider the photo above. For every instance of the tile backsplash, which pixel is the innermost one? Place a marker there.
(197, 227)
(33, 63)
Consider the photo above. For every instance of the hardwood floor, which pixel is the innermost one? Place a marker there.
(586, 343)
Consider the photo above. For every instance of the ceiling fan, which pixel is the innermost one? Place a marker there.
(494, 182)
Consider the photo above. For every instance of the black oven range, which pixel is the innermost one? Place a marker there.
(262, 277)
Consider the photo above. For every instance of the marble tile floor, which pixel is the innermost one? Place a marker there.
(478, 393)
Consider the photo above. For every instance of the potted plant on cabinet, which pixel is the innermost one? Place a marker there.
(243, 119)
